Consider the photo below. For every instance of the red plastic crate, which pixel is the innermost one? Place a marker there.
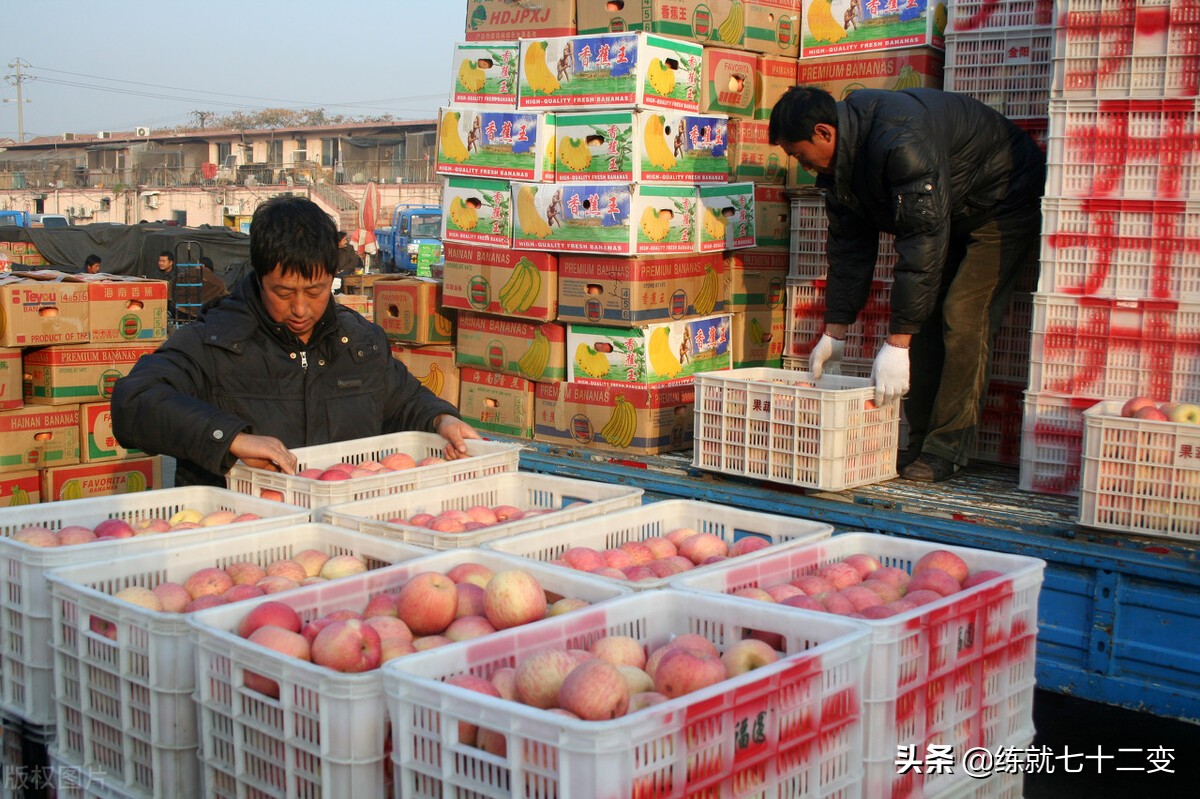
(998, 15)
(1115, 48)
(1008, 70)
(809, 235)
(1052, 443)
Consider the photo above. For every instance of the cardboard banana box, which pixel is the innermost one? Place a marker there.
(499, 20)
(11, 379)
(477, 211)
(512, 346)
(623, 291)
(634, 146)
(637, 420)
(73, 373)
(837, 27)
(497, 402)
(719, 23)
(102, 479)
(727, 215)
(96, 440)
(490, 143)
(752, 157)
(758, 338)
(433, 366)
(666, 352)
(20, 488)
(485, 74)
(38, 436)
(505, 282)
(757, 279)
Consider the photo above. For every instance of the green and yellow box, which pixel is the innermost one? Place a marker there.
(85, 480)
(433, 366)
(20, 488)
(838, 27)
(96, 440)
(37, 436)
(73, 373)
(477, 211)
(485, 74)
(496, 402)
(658, 353)
(624, 291)
(627, 146)
(773, 225)
(490, 143)
(409, 309)
(499, 20)
(122, 308)
(638, 420)
(506, 282)
(533, 350)
(11, 379)
(727, 217)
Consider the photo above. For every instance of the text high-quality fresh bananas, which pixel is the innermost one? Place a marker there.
(463, 215)
(574, 154)
(706, 298)
(621, 425)
(528, 218)
(450, 143)
(654, 138)
(533, 363)
(714, 225)
(733, 29)
(821, 23)
(662, 360)
(655, 226)
(471, 76)
(590, 362)
(522, 288)
(537, 72)
(434, 379)
(661, 77)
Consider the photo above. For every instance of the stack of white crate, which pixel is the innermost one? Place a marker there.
(1117, 313)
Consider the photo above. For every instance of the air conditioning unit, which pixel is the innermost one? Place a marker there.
(141, 132)
(299, 156)
(68, 137)
(229, 210)
(151, 200)
(103, 134)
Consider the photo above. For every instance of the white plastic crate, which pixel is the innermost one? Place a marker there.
(658, 519)
(325, 735)
(125, 706)
(1115, 48)
(1052, 443)
(1010, 348)
(1140, 476)
(26, 659)
(1008, 70)
(73, 781)
(810, 234)
(989, 15)
(23, 759)
(788, 729)
(566, 499)
(1121, 248)
(804, 319)
(1038, 129)
(777, 425)
(956, 671)
(998, 434)
(1115, 348)
(1124, 149)
(486, 458)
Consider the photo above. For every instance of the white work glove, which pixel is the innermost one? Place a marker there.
(890, 373)
(826, 356)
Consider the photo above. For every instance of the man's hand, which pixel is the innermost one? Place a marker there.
(826, 356)
(263, 452)
(890, 373)
(456, 432)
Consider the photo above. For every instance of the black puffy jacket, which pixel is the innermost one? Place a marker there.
(924, 165)
(236, 371)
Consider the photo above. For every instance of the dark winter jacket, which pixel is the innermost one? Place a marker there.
(234, 370)
(924, 165)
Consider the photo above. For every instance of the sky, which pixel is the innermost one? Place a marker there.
(120, 64)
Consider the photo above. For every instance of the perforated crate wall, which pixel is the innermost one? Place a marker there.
(998, 434)
(1119, 49)
(810, 233)
(989, 15)
(1008, 70)
(1052, 443)
(804, 319)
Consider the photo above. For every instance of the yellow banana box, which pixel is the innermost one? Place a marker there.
(610, 70)
(720, 23)
(20, 488)
(757, 279)
(408, 309)
(125, 308)
(491, 143)
(37, 436)
(626, 146)
(11, 379)
(433, 366)
(488, 280)
(730, 82)
(605, 290)
(42, 308)
(72, 373)
(665, 352)
(837, 27)
(641, 420)
(477, 211)
(495, 20)
(357, 302)
(893, 70)
(758, 338)
(96, 440)
(86, 480)
(775, 75)
(773, 27)
(536, 351)
(727, 215)
(610, 218)
(752, 157)
(496, 402)
(485, 74)
(773, 227)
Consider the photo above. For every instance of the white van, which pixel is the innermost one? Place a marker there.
(49, 220)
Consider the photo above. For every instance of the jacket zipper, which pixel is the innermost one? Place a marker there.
(304, 360)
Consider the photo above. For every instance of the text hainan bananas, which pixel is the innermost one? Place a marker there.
(706, 298)
(528, 217)
(621, 425)
(451, 143)
(662, 360)
(524, 285)
(533, 363)
(537, 73)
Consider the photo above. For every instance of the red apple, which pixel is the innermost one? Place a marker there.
(349, 646)
(239, 592)
(206, 601)
(861, 597)
(208, 581)
(683, 670)
(540, 675)
(839, 574)
(505, 680)
(619, 650)
(637, 550)
(75, 534)
(583, 558)
(113, 528)
(286, 568)
(398, 461)
(388, 627)
(245, 572)
(283, 641)
(469, 572)
(466, 627)
(427, 603)
(594, 691)
(813, 585)
(341, 566)
(273, 584)
(803, 601)
(514, 597)
(566, 605)
(782, 591)
(702, 545)
(752, 592)
(426, 642)
(311, 560)
(271, 494)
(980, 577)
(942, 559)
(1134, 404)
(1151, 413)
(747, 544)
(173, 596)
(35, 536)
(272, 613)
(865, 564)
(617, 559)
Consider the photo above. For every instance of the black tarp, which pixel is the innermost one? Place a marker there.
(134, 249)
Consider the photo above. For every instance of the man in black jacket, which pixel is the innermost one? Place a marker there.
(275, 365)
(959, 186)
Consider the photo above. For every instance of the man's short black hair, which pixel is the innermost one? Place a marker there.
(798, 112)
(170, 256)
(91, 259)
(295, 234)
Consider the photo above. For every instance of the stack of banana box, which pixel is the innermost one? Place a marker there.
(64, 342)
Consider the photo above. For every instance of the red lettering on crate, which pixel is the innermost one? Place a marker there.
(1115, 32)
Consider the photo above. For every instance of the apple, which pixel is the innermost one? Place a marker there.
(283, 641)
(117, 528)
(865, 564)
(883, 589)
(245, 517)
(567, 604)
(425, 642)
(747, 544)
(617, 558)
(583, 558)
(245, 572)
(333, 475)
(311, 560)
(669, 567)
(839, 574)
(274, 583)
(470, 572)
(594, 691)
(505, 680)
(981, 576)
(341, 566)
(103, 627)
(702, 545)
(637, 550)
(747, 655)
(272, 613)
(172, 596)
(36, 537)
(680, 534)
(780, 592)
(609, 571)
(837, 604)
(513, 597)
(636, 680)
(893, 576)
(140, 596)
(150, 525)
(469, 682)
(185, 515)
(1185, 412)
(508, 513)
(446, 524)
(660, 547)
(683, 670)
(286, 568)
(921, 596)
(75, 534)
(427, 603)
(466, 627)
(348, 646)
(752, 592)
(1135, 404)
(813, 585)
(389, 627)
(217, 517)
(209, 581)
(860, 597)
(180, 526)
(239, 592)
(482, 514)
(619, 650)
(639, 573)
(344, 614)
(311, 580)
(645, 699)
(310, 630)
(687, 640)
(203, 602)
(272, 494)
(540, 675)
(390, 648)
(398, 461)
(803, 601)
(941, 559)
(1151, 413)
(380, 605)
(492, 742)
(311, 473)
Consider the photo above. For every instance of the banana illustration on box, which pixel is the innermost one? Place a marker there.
(706, 298)
(662, 360)
(590, 362)
(537, 73)
(908, 79)
(755, 334)
(733, 29)
(528, 218)
(574, 154)
(434, 379)
(655, 226)
(471, 76)
(449, 142)
(714, 224)
(621, 425)
(821, 23)
(522, 288)
(661, 77)
(463, 215)
(654, 138)
(533, 363)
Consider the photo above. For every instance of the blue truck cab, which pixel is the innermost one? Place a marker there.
(413, 227)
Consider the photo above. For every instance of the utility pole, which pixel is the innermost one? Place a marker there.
(17, 80)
